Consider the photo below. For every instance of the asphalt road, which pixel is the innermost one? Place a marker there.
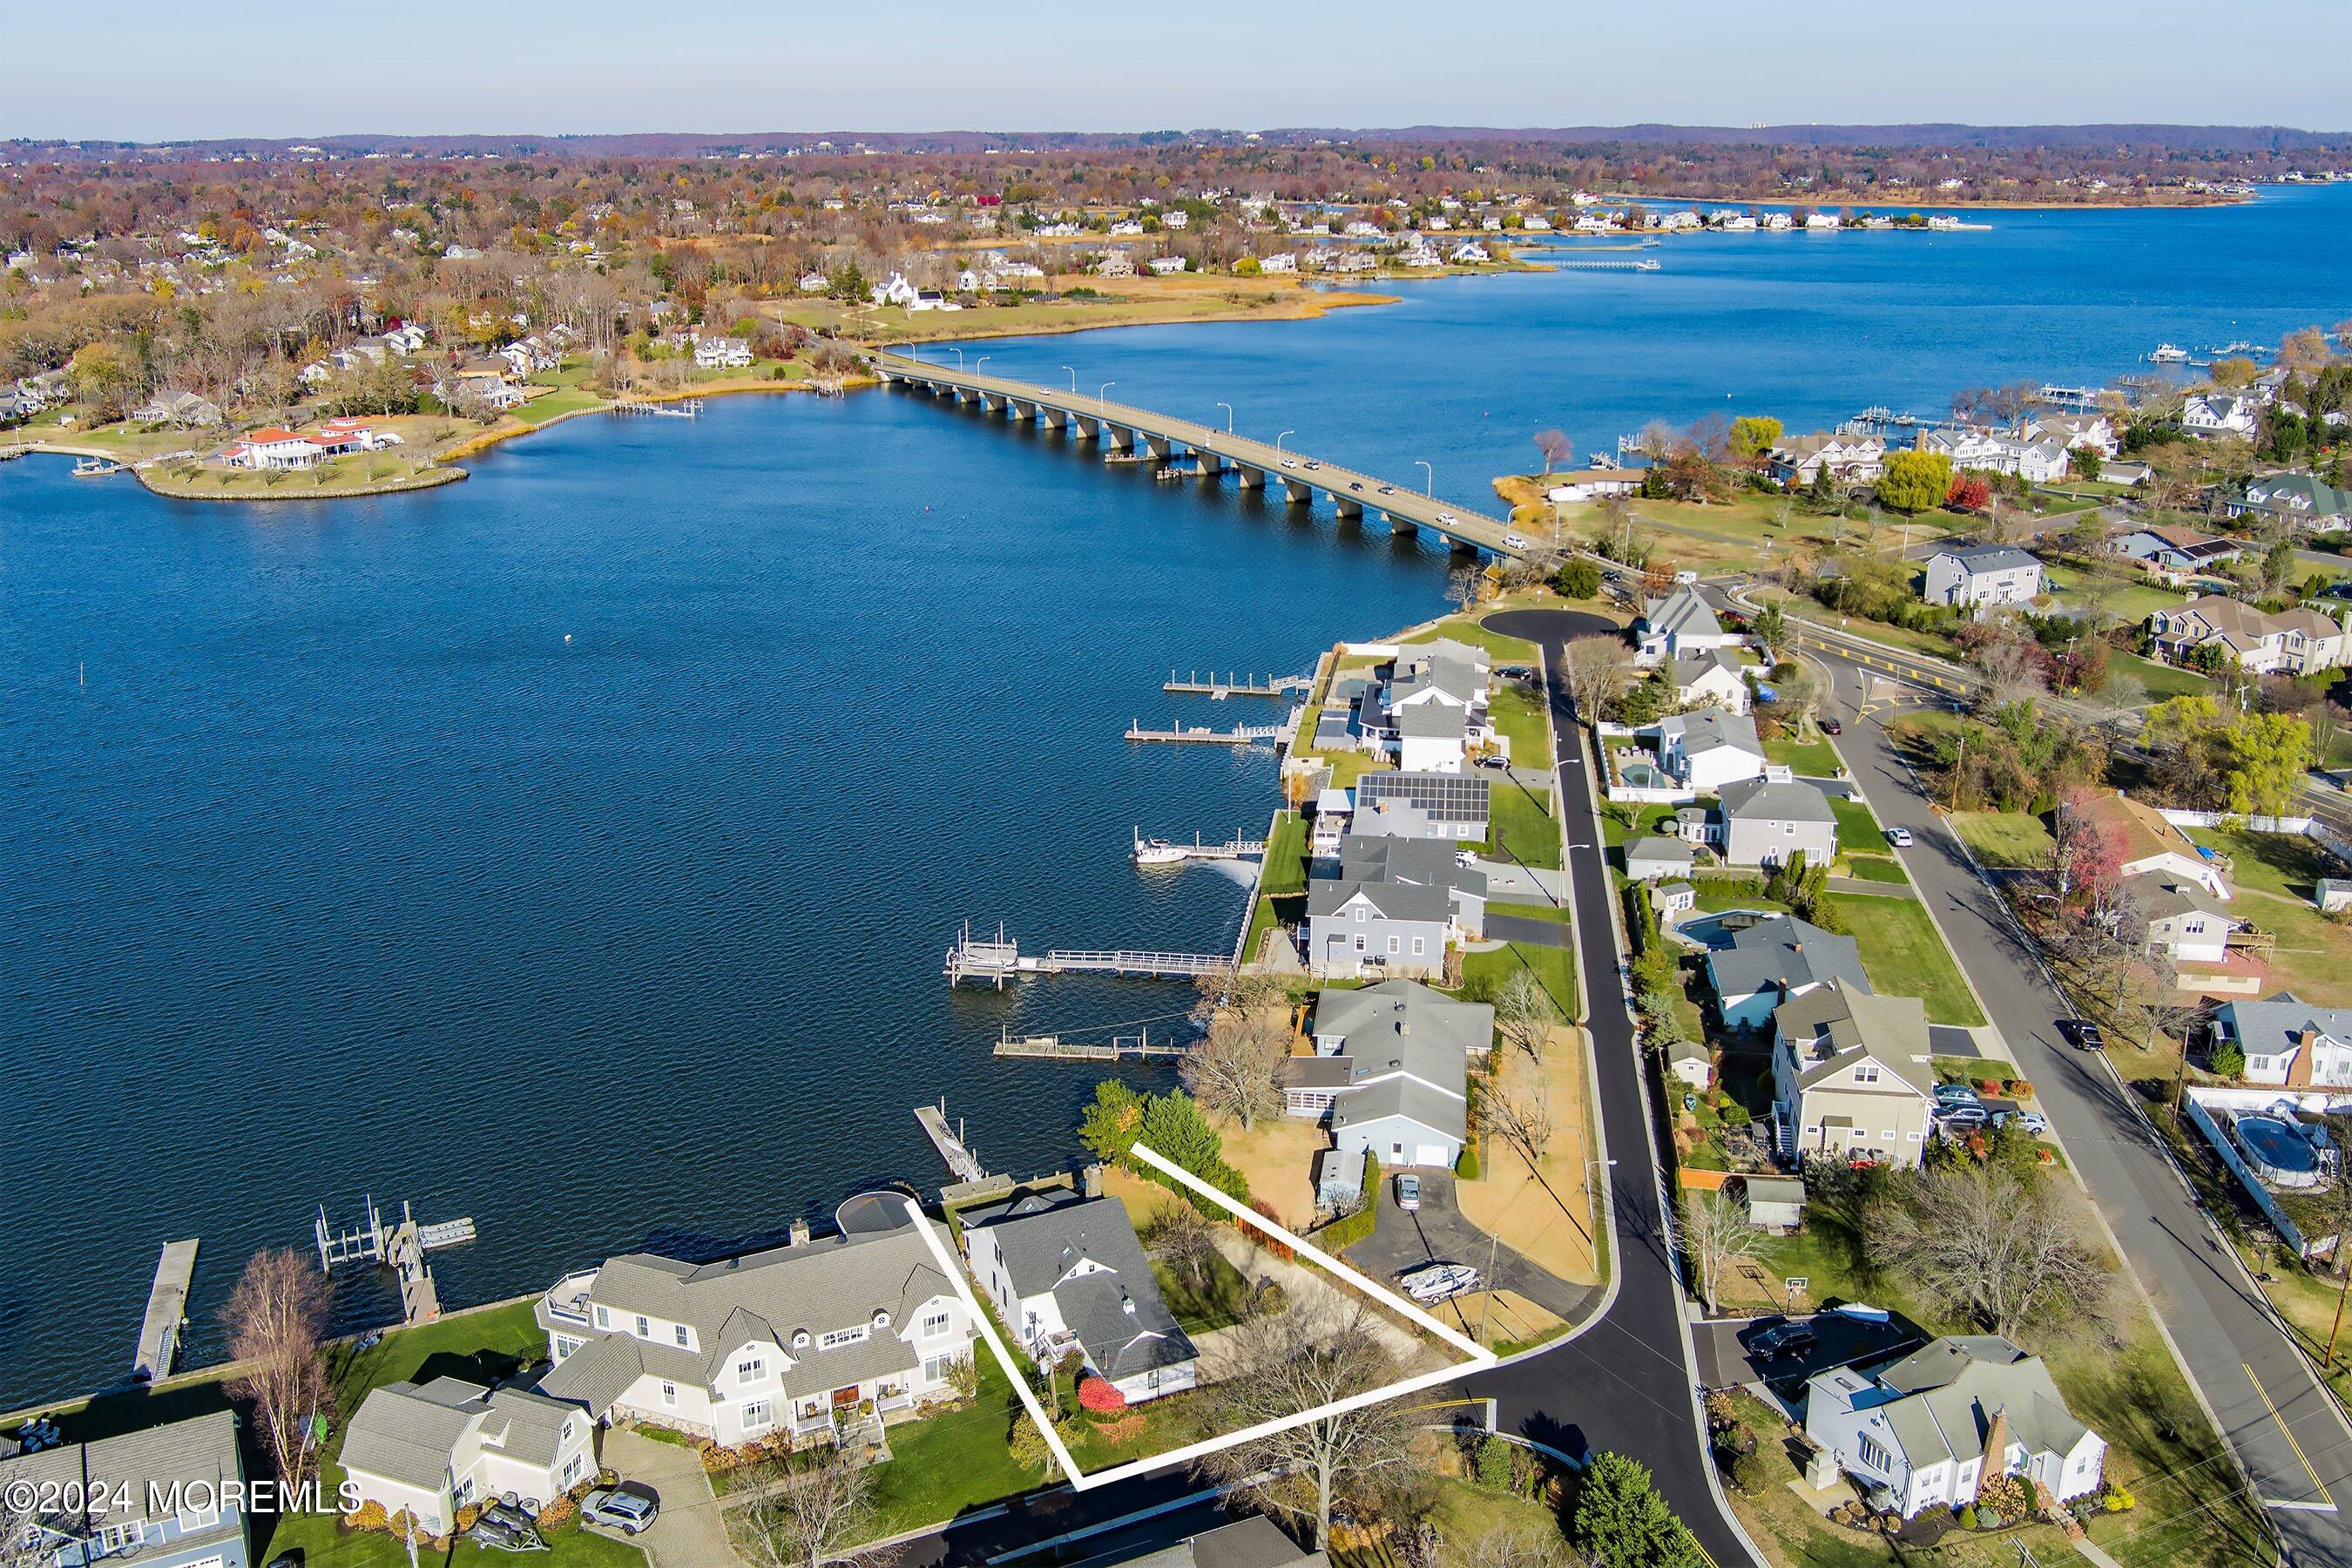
(1625, 1384)
(2285, 1430)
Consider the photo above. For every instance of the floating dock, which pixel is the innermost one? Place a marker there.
(950, 1145)
(1053, 1047)
(1168, 854)
(167, 1312)
(1202, 735)
(399, 1247)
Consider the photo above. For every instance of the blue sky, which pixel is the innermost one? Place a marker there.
(144, 70)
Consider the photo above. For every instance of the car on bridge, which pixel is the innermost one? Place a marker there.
(1290, 462)
(1388, 490)
(1515, 542)
(1447, 518)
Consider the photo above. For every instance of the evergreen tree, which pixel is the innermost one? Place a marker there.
(1623, 1522)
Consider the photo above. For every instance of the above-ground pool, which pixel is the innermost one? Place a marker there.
(2279, 1154)
(1716, 930)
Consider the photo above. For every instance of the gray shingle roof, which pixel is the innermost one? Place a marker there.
(406, 1433)
(1709, 728)
(152, 1462)
(1406, 878)
(1659, 850)
(1787, 952)
(1406, 1097)
(1684, 612)
(1117, 1314)
(1947, 1392)
(1762, 800)
(2274, 1026)
(1975, 558)
(1830, 1023)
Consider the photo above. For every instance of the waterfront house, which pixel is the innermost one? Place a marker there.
(2077, 432)
(1852, 1076)
(1850, 459)
(1280, 261)
(1773, 959)
(2301, 500)
(1469, 253)
(2298, 641)
(723, 353)
(1658, 859)
(2215, 414)
(1713, 679)
(180, 1485)
(2175, 551)
(1767, 821)
(271, 448)
(1677, 627)
(2041, 460)
(1430, 708)
(846, 1329)
(1391, 906)
(895, 289)
(1455, 806)
(2287, 1042)
(1390, 1072)
(432, 1448)
(184, 410)
(1710, 748)
(1066, 1272)
(1595, 484)
(1929, 1430)
(1971, 574)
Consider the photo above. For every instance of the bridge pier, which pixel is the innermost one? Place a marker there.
(1211, 464)
(1089, 428)
(1160, 446)
(990, 402)
(1300, 493)
(1116, 438)
(1051, 418)
(1248, 478)
(1402, 526)
(1350, 511)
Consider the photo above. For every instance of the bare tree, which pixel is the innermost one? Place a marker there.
(1597, 669)
(23, 1541)
(2012, 673)
(1525, 1013)
(1717, 1235)
(1311, 1357)
(808, 1513)
(1236, 1069)
(2004, 1252)
(1520, 1108)
(1182, 1237)
(1515, 1546)
(1553, 445)
(276, 1317)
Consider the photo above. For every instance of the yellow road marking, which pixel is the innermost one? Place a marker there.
(2316, 1483)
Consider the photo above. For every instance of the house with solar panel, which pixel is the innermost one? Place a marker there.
(1455, 807)
(823, 1338)
(1066, 1272)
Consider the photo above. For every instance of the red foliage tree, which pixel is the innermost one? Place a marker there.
(1280, 1251)
(1969, 492)
(1099, 1396)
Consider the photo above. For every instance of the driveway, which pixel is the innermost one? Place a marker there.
(1519, 928)
(689, 1531)
(1440, 1231)
(1724, 1359)
(1508, 881)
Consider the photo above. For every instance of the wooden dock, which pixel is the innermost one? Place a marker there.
(1230, 685)
(995, 962)
(950, 1145)
(1202, 735)
(1231, 849)
(167, 1312)
(399, 1247)
(1053, 1047)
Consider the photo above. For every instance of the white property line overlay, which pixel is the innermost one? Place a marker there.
(1082, 1480)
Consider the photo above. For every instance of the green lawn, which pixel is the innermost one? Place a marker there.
(954, 1461)
(1523, 828)
(2010, 839)
(1286, 857)
(1519, 717)
(2162, 680)
(1646, 822)
(1811, 759)
(1470, 629)
(1857, 829)
(1484, 973)
(2275, 873)
(1876, 868)
(1904, 955)
(1219, 1302)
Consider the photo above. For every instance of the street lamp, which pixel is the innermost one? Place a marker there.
(1431, 473)
(1101, 404)
(958, 353)
(1229, 414)
(1285, 435)
(1074, 378)
(978, 362)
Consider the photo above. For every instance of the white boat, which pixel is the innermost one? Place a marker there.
(1157, 852)
(2167, 354)
(96, 467)
(1435, 1282)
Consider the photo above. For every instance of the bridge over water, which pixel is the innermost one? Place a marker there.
(1121, 427)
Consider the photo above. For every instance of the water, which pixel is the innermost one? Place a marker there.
(327, 865)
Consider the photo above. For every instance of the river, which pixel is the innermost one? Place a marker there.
(576, 848)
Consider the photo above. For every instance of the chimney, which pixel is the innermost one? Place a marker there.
(800, 1233)
(1995, 1449)
(2299, 1073)
(1090, 1181)
(1127, 1303)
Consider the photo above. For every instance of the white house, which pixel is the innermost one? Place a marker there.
(1932, 1427)
(1469, 253)
(895, 289)
(723, 353)
(1710, 748)
(407, 338)
(2184, 917)
(2302, 500)
(1066, 1272)
(1677, 626)
(1594, 485)
(1430, 708)
(2213, 415)
(2289, 1043)
(1167, 266)
(1973, 575)
(1390, 1072)
(1850, 459)
(430, 1450)
(1713, 679)
(806, 1338)
(2079, 432)
(272, 447)
(1852, 1076)
(1391, 906)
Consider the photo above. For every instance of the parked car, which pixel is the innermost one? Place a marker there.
(1832, 727)
(1784, 1339)
(2083, 1033)
(1955, 1094)
(1686, 578)
(1954, 1120)
(616, 1508)
(2033, 1122)
(1408, 1192)
(1899, 836)
(1493, 759)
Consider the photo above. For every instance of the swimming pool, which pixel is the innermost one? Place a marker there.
(2279, 1154)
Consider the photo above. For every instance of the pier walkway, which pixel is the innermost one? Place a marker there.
(951, 1147)
(1123, 428)
(1202, 735)
(167, 1311)
(1053, 1047)
(1235, 686)
(995, 962)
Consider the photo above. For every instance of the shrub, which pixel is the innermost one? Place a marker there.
(1968, 1516)
(1345, 1232)
(466, 1516)
(2116, 1499)
(369, 1515)
(2228, 1060)
(1099, 1394)
(1279, 1249)
(1747, 1473)
(1494, 1464)
(1467, 1167)
(560, 1515)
